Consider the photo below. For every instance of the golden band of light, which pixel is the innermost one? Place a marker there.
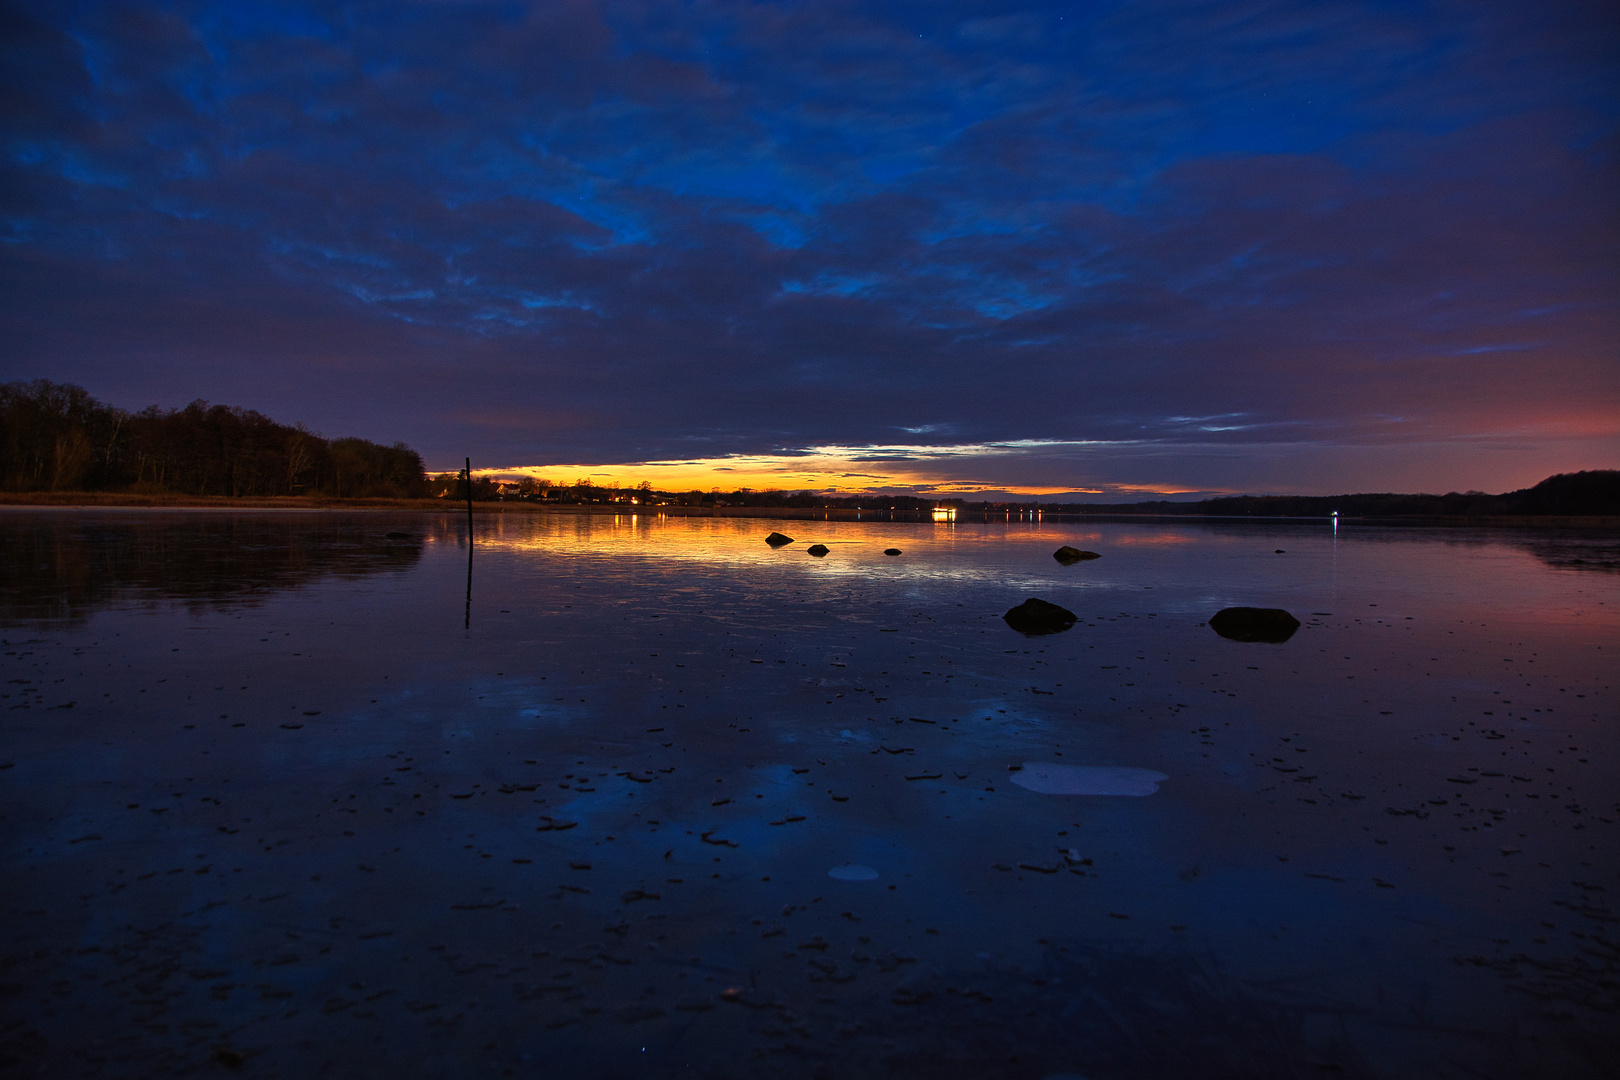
(936, 471)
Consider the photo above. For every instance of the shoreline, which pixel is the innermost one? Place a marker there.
(91, 501)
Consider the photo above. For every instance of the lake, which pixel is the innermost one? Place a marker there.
(659, 799)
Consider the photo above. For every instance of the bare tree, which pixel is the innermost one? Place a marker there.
(300, 455)
(73, 452)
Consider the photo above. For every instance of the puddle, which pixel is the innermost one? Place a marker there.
(1046, 778)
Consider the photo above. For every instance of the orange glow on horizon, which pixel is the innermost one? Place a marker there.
(925, 472)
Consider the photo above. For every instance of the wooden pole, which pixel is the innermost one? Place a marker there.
(466, 619)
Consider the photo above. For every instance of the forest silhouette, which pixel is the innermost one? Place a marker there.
(56, 437)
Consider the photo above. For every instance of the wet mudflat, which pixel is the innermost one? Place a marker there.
(681, 803)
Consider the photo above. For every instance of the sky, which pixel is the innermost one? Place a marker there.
(1118, 249)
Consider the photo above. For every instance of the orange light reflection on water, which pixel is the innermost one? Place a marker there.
(931, 549)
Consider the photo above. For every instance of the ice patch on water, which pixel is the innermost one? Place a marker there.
(1049, 779)
(853, 872)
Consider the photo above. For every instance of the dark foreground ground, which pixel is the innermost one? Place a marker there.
(277, 800)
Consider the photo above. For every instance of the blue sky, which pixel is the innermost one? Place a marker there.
(1164, 246)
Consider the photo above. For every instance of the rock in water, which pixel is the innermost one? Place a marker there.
(818, 550)
(891, 551)
(1068, 556)
(1038, 617)
(776, 539)
(1267, 624)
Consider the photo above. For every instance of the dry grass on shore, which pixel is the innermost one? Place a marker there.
(114, 499)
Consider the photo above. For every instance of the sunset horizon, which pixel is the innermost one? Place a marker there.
(825, 471)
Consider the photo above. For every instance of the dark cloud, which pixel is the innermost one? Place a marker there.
(1244, 244)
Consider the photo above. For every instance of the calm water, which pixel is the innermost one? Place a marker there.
(278, 800)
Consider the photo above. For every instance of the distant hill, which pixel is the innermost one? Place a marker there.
(1594, 492)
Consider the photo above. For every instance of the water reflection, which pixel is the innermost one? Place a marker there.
(58, 567)
(1579, 551)
(63, 566)
(681, 804)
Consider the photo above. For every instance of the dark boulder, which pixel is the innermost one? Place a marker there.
(1266, 624)
(1068, 556)
(776, 539)
(818, 550)
(891, 551)
(1038, 617)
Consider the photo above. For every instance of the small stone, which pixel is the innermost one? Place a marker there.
(891, 551)
(1068, 556)
(818, 550)
(231, 1059)
(776, 539)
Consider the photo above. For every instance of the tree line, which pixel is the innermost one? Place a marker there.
(57, 437)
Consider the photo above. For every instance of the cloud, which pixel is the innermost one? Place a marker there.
(549, 232)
